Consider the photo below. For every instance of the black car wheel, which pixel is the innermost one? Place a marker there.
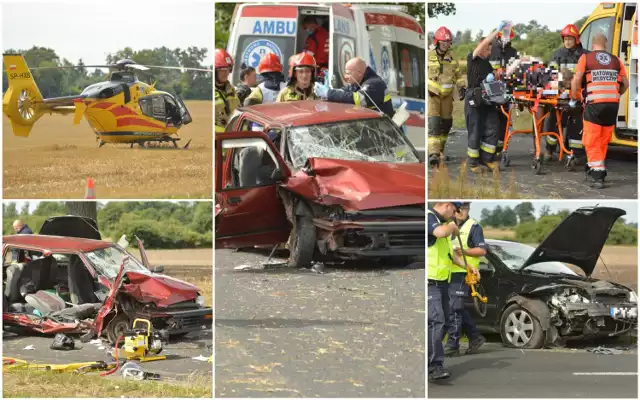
(303, 243)
(519, 328)
(117, 326)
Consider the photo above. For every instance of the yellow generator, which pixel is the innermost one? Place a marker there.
(142, 343)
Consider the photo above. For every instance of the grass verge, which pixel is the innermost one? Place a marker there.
(490, 185)
(31, 383)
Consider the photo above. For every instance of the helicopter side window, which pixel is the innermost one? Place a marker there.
(158, 108)
(145, 106)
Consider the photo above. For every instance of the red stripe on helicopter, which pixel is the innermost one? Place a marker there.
(392, 20)
(128, 121)
(104, 105)
(270, 12)
(120, 111)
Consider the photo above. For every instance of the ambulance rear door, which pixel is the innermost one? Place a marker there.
(382, 40)
(343, 46)
(260, 29)
(628, 53)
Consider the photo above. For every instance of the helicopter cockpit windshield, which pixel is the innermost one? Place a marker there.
(184, 113)
(125, 77)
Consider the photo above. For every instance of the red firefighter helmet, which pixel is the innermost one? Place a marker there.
(442, 34)
(302, 60)
(571, 30)
(511, 36)
(269, 63)
(223, 59)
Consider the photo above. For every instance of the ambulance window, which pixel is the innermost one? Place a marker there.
(602, 25)
(251, 48)
(249, 125)
(410, 62)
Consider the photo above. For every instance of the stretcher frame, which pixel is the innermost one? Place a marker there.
(526, 99)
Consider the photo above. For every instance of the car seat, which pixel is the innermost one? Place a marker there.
(81, 283)
(250, 161)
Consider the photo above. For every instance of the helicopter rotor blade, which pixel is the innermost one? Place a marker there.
(179, 68)
(136, 66)
(73, 66)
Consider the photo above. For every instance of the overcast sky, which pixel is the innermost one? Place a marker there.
(631, 207)
(91, 30)
(487, 15)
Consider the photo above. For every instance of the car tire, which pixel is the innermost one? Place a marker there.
(117, 326)
(303, 243)
(520, 329)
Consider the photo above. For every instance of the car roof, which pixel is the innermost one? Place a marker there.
(55, 243)
(309, 112)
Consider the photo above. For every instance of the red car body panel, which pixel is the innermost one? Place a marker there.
(48, 326)
(359, 185)
(159, 289)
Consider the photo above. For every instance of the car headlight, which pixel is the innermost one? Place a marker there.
(200, 301)
(633, 297)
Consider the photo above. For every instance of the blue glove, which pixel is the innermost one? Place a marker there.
(491, 78)
(573, 103)
(321, 90)
(502, 25)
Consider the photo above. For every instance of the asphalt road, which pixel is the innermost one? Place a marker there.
(179, 363)
(499, 372)
(353, 331)
(555, 181)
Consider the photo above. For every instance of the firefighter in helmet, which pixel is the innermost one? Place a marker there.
(226, 99)
(272, 81)
(444, 74)
(302, 71)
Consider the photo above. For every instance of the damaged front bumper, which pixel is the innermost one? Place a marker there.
(595, 319)
(180, 322)
(371, 238)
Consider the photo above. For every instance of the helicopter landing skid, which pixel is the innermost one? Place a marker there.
(143, 143)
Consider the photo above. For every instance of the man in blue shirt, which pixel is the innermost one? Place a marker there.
(459, 319)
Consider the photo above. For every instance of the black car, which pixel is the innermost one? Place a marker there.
(534, 299)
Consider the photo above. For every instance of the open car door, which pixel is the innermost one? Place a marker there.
(143, 254)
(342, 34)
(249, 211)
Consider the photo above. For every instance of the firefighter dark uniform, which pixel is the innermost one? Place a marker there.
(565, 61)
(603, 73)
(372, 89)
(271, 81)
(443, 75)
(292, 92)
(226, 99)
(500, 57)
(439, 275)
(459, 319)
(481, 119)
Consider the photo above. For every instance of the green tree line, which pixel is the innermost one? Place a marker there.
(190, 85)
(160, 225)
(224, 14)
(529, 229)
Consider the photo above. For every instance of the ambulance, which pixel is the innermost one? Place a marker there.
(392, 42)
(619, 23)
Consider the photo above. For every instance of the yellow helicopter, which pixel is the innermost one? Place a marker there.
(120, 110)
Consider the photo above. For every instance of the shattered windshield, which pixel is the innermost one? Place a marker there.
(514, 255)
(374, 140)
(107, 262)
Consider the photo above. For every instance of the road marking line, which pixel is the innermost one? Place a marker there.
(605, 373)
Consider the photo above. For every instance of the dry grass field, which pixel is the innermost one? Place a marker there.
(57, 157)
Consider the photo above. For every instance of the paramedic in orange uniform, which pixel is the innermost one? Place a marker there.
(317, 42)
(606, 79)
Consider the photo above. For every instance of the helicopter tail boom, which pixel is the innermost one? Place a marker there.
(22, 103)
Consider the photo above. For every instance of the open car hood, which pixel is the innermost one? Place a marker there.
(359, 185)
(71, 226)
(579, 239)
(162, 290)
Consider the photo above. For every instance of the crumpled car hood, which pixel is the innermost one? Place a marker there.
(159, 289)
(579, 239)
(359, 185)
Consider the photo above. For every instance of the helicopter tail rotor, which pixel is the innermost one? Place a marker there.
(22, 103)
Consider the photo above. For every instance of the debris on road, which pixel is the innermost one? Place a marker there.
(62, 342)
(604, 350)
(201, 358)
(30, 347)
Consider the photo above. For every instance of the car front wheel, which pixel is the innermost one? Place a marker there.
(519, 328)
(303, 243)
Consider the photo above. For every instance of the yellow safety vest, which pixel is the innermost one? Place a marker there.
(226, 102)
(444, 73)
(465, 231)
(439, 258)
(291, 93)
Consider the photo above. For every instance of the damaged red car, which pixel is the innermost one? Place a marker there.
(333, 180)
(66, 279)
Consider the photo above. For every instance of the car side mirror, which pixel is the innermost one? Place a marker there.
(158, 269)
(277, 175)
